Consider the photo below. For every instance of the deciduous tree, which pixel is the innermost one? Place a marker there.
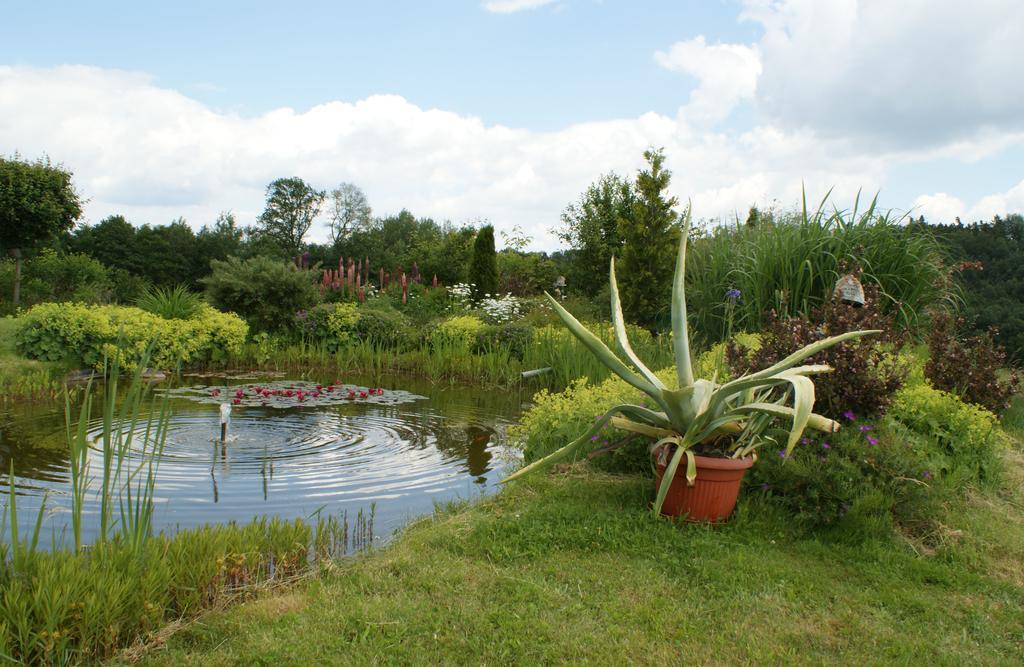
(590, 227)
(349, 211)
(37, 203)
(292, 205)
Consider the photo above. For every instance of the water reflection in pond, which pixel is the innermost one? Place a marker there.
(286, 462)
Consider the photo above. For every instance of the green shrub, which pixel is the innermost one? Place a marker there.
(989, 258)
(266, 292)
(172, 303)
(333, 323)
(382, 325)
(126, 286)
(53, 276)
(423, 303)
(515, 337)
(859, 482)
(457, 332)
(87, 335)
(930, 447)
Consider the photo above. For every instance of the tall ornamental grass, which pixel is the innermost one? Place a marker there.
(791, 264)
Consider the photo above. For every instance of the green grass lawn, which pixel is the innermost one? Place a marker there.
(571, 568)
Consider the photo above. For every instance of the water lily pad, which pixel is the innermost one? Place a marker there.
(293, 393)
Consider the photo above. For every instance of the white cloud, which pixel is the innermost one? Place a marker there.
(915, 73)
(939, 207)
(727, 74)
(510, 6)
(153, 154)
(943, 208)
(1001, 203)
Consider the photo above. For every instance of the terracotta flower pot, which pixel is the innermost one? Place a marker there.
(713, 497)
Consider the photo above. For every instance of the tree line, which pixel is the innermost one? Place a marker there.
(633, 219)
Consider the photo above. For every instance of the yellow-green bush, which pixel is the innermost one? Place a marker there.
(555, 419)
(460, 332)
(341, 321)
(967, 434)
(89, 335)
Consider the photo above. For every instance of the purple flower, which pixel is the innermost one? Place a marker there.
(805, 441)
(926, 475)
(849, 415)
(865, 427)
(872, 441)
(593, 438)
(733, 295)
(825, 445)
(782, 453)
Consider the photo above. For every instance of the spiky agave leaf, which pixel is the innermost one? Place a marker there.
(619, 326)
(680, 327)
(815, 421)
(634, 411)
(601, 351)
(639, 427)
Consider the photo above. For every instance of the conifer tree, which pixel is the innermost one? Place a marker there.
(483, 268)
(650, 236)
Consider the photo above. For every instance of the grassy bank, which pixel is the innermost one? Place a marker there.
(572, 568)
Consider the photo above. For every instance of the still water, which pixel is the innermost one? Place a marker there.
(291, 462)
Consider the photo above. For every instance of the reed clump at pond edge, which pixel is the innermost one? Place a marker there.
(77, 602)
(484, 363)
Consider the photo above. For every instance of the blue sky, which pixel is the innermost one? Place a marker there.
(457, 111)
(541, 69)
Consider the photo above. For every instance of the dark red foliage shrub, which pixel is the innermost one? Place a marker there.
(968, 366)
(867, 371)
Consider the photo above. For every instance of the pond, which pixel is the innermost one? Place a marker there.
(286, 459)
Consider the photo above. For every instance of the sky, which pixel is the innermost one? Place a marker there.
(505, 110)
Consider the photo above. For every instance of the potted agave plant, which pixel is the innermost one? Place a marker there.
(715, 427)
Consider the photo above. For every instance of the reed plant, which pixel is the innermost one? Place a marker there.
(790, 265)
(489, 363)
(31, 384)
(81, 603)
